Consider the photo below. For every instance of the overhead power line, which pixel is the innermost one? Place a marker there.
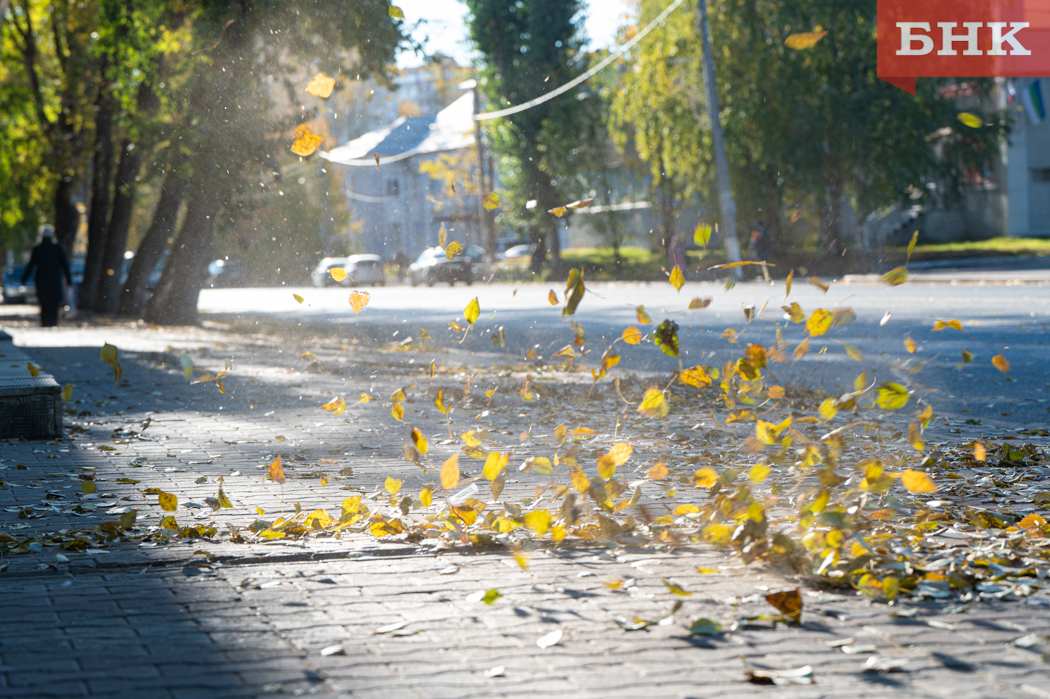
(584, 77)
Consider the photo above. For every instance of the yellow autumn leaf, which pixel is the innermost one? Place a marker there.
(490, 201)
(453, 249)
(306, 141)
(819, 322)
(654, 404)
(632, 336)
(759, 473)
(677, 279)
(896, 276)
(558, 211)
(1001, 363)
(419, 441)
(979, 452)
(426, 496)
(915, 437)
(643, 317)
(804, 40)
(321, 86)
(911, 345)
(944, 324)
(450, 472)
(276, 471)
(364, 397)
(396, 12)
(167, 501)
(696, 377)
(801, 350)
(854, 352)
(971, 120)
(397, 411)
(538, 521)
(617, 456)
(828, 409)
(472, 311)
(358, 301)
(67, 392)
(776, 392)
(682, 510)
(297, 297)
(657, 472)
(442, 236)
(702, 234)
(705, 478)
(891, 396)
(553, 298)
(918, 482)
(33, 371)
(494, 464)
(393, 485)
(336, 406)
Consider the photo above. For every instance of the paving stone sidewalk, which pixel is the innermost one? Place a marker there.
(358, 617)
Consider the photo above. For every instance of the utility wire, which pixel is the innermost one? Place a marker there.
(590, 73)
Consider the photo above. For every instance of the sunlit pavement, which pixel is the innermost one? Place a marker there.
(354, 617)
(999, 316)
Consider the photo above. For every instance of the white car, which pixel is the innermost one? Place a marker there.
(360, 270)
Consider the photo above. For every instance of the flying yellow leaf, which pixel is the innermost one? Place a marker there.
(759, 473)
(705, 478)
(167, 501)
(397, 411)
(558, 211)
(891, 396)
(702, 234)
(697, 377)
(538, 521)
(918, 482)
(815, 281)
(971, 120)
(276, 471)
(677, 279)
(580, 203)
(442, 236)
(553, 298)
(1001, 363)
(944, 324)
(699, 303)
(33, 371)
(297, 297)
(494, 464)
(393, 485)
(490, 201)
(321, 86)
(795, 313)
(450, 472)
(819, 322)
(358, 301)
(828, 409)
(617, 456)
(396, 12)
(643, 317)
(472, 311)
(790, 278)
(896, 276)
(108, 355)
(801, 350)
(419, 440)
(776, 392)
(306, 141)
(657, 472)
(915, 436)
(336, 406)
(967, 356)
(67, 392)
(654, 404)
(632, 336)
(364, 397)
(453, 249)
(979, 452)
(804, 40)
(911, 345)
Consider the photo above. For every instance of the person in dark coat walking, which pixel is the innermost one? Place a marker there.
(49, 261)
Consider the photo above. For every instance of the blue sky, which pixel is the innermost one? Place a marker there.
(445, 28)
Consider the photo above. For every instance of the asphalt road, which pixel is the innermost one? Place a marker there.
(997, 318)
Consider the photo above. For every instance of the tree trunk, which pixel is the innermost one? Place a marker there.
(174, 302)
(107, 296)
(101, 180)
(67, 218)
(133, 296)
(832, 218)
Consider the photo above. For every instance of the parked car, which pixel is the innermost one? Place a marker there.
(517, 251)
(225, 273)
(480, 264)
(433, 266)
(14, 290)
(360, 270)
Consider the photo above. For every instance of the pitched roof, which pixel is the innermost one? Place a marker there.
(450, 129)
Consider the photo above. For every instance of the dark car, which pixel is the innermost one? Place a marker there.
(14, 290)
(225, 273)
(433, 266)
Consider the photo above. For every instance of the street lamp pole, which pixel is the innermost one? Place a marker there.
(725, 193)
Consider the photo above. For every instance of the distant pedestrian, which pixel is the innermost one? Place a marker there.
(676, 254)
(49, 261)
(401, 262)
(760, 244)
